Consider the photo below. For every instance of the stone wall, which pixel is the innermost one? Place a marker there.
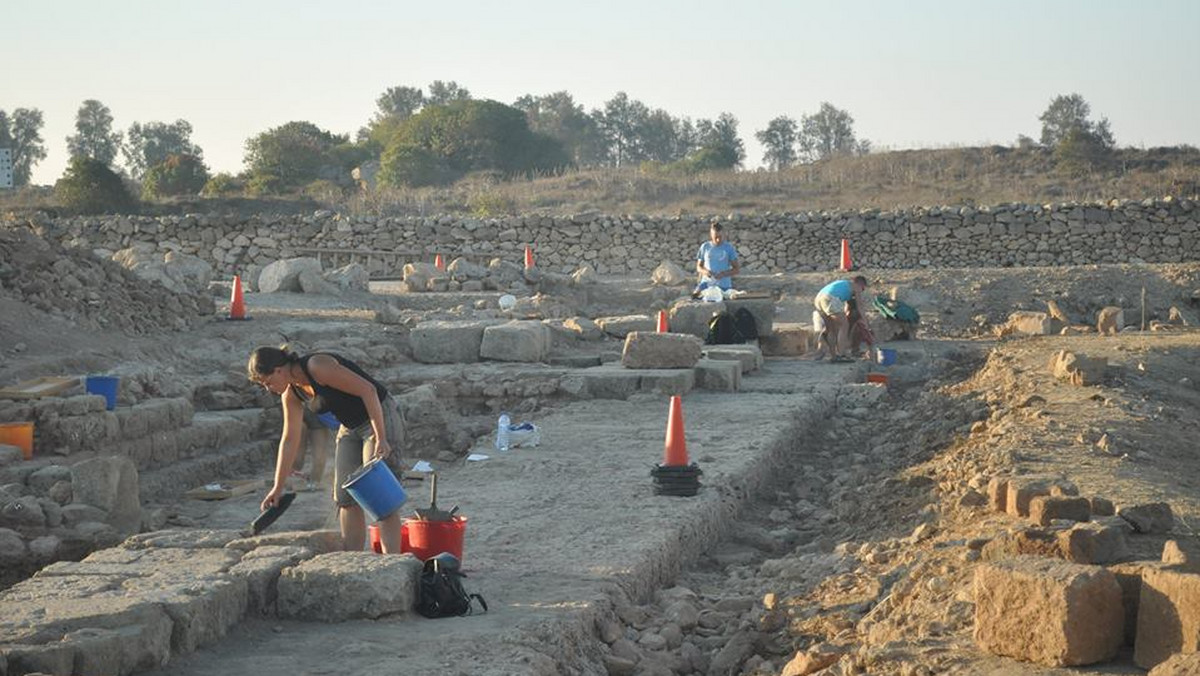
(1120, 231)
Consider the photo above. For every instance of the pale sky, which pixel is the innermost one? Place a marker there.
(912, 73)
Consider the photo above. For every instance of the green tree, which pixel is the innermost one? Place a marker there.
(399, 102)
(618, 123)
(780, 140)
(827, 133)
(177, 175)
(294, 154)
(405, 164)
(658, 137)
(148, 145)
(721, 136)
(442, 93)
(22, 132)
(90, 187)
(94, 136)
(1070, 113)
(558, 116)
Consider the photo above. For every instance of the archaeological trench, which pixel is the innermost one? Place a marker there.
(1016, 494)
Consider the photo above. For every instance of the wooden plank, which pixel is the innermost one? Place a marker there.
(225, 489)
(38, 387)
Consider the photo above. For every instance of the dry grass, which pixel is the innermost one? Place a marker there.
(886, 180)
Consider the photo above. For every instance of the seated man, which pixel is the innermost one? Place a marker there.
(716, 261)
(833, 302)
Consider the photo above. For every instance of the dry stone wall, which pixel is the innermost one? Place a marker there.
(1120, 231)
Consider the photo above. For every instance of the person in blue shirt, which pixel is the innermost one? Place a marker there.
(834, 302)
(716, 261)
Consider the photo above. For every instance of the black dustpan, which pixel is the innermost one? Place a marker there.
(272, 514)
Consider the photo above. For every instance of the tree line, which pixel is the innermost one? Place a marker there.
(438, 134)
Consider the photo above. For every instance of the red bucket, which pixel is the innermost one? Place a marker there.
(426, 539)
(374, 537)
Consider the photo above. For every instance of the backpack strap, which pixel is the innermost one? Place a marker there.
(475, 597)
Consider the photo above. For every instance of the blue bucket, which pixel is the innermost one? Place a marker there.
(887, 356)
(376, 490)
(105, 386)
(329, 420)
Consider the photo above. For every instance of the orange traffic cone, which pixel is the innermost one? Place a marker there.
(847, 266)
(438, 262)
(237, 305)
(528, 257)
(662, 322)
(675, 454)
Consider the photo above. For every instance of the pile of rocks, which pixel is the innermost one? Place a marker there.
(81, 288)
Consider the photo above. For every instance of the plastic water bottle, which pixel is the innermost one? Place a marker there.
(502, 427)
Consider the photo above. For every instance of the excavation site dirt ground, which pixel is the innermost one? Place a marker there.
(839, 524)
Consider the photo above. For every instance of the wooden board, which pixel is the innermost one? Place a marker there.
(753, 295)
(38, 387)
(228, 489)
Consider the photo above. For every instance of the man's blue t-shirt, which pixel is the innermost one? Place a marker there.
(718, 258)
(841, 289)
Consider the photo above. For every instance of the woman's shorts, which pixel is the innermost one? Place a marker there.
(355, 446)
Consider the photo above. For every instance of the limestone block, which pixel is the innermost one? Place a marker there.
(648, 350)
(463, 270)
(666, 381)
(1022, 489)
(1027, 323)
(763, 310)
(319, 541)
(624, 325)
(669, 273)
(42, 479)
(523, 341)
(199, 538)
(313, 282)
(1110, 321)
(998, 493)
(787, 340)
(1093, 543)
(1129, 576)
(201, 612)
(448, 342)
(606, 382)
(1045, 508)
(260, 568)
(583, 328)
(352, 277)
(693, 316)
(1168, 616)
(1077, 610)
(749, 355)
(110, 483)
(722, 376)
(122, 650)
(1027, 541)
(1155, 517)
(342, 586)
(1182, 664)
(1182, 555)
(284, 275)
(1102, 507)
(1078, 369)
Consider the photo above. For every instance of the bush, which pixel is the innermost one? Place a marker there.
(177, 175)
(90, 187)
(489, 204)
(221, 184)
(323, 190)
(264, 184)
(405, 164)
(1082, 151)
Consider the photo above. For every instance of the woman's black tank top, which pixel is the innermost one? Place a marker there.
(347, 408)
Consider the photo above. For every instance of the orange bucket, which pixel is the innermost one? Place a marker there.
(880, 378)
(426, 539)
(19, 434)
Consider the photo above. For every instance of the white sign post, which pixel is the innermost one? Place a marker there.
(6, 170)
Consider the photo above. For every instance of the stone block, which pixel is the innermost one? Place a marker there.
(284, 275)
(1027, 541)
(1155, 517)
(1182, 555)
(605, 382)
(624, 325)
(583, 327)
(1182, 664)
(998, 493)
(201, 612)
(1168, 616)
(668, 273)
(341, 586)
(763, 310)
(523, 341)
(1093, 543)
(260, 569)
(722, 376)
(121, 650)
(1046, 508)
(110, 483)
(1110, 321)
(41, 480)
(1129, 576)
(749, 355)
(787, 340)
(448, 342)
(693, 316)
(318, 541)
(666, 381)
(1102, 507)
(1077, 609)
(1027, 323)
(1022, 489)
(199, 538)
(1078, 369)
(648, 350)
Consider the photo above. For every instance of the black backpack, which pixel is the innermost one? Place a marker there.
(744, 326)
(720, 329)
(441, 590)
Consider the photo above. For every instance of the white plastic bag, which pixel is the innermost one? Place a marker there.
(524, 435)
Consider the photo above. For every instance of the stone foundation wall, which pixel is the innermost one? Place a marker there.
(1120, 231)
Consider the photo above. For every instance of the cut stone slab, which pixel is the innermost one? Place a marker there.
(1182, 555)
(1110, 321)
(342, 586)
(624, 325)
(1077, 611)
(1178, 665)
(998, 493)
(763, 310)
(1078, 369)
(110, 483)
(666, 381)
(1168, 616)
(523, 341)
(260, 570)
(1022, 489)
(583, 328)
(1046, 508)
(575, 361)
(448, 342)
(1155, 517)
(1093, 543)
(319, 541)
(648, 350)
(284, 275)
(1129, 576)
(719, 375)
(787, 340)
(1027, 323)
(604, 382)
(693, 316)
(749, 355)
